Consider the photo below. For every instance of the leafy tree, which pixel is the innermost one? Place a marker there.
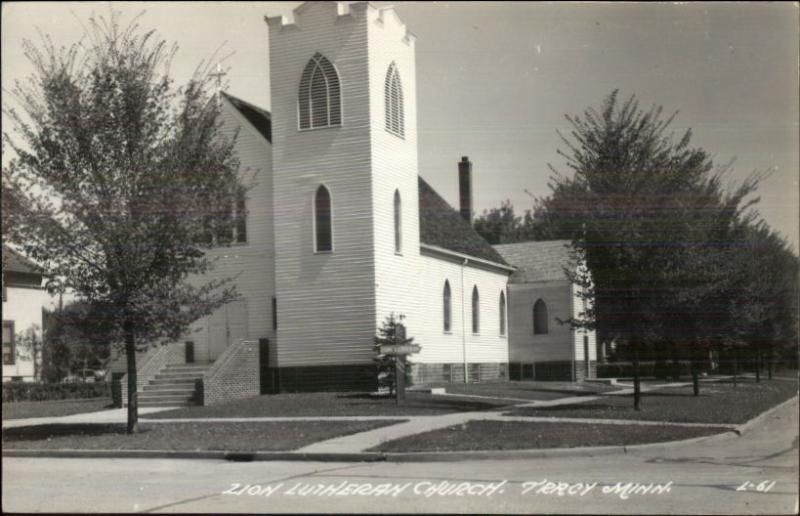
(499, 225)
(121, 174)
(28, 345)
(79, 338)
(391, 333)
(648, 214)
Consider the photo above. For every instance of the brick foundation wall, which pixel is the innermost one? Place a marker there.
(344, 377)
(234, 375)
(423, 374)
(554, 370)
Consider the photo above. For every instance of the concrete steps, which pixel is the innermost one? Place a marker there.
(172, 386)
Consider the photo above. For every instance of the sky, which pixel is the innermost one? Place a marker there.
(495, 79)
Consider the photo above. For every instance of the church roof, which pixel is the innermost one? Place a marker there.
(15, 262)
(537, 261)
(260, 118)
(441, 225)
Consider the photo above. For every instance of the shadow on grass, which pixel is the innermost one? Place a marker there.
(50, 431)
(428, 403)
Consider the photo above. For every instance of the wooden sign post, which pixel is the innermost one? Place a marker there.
(400, 351)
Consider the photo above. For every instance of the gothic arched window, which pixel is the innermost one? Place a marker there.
(539, 318)
(398, 223)
(319, 100)
(393, 93)
(323, 227)
(476, 315)
(447, 306)
(502, 313)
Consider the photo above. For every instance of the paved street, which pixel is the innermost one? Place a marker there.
(717, 477)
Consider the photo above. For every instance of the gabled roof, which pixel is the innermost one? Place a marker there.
(440, 225)
(15, 262)
(260, 118)
(537, 261)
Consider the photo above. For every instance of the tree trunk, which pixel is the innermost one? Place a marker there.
(758, 367)
(735, 366)
(695, 379)
(676, 371)
(130, 352)
(769, 367)
(637, 394)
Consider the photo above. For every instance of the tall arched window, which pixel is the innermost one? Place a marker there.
(398, 223)
(446, 306)
(319, 100)
(476, 314)
(502, 313)
(539, 317)
(323, 228)
(393, 94)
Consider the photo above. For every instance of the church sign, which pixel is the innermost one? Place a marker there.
(400, 349)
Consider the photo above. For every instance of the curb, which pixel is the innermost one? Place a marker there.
(452, 456)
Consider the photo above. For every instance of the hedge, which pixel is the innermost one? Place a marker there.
(646, 369)
(26, 391)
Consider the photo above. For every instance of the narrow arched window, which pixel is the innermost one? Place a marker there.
(393, 94)
(446, 306)
(398, 223)
(502, 313)
(319, 100)
(539, 318)
(323, 228)
(476, 314)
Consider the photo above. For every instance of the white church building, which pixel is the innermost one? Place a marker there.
(337, 229)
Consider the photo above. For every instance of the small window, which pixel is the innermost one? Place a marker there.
(393, 94)
(225, 226)
(398, 223)
(447, 306)
(540, 318)
(502, 313)
(476, 314)
(9, 351)
(323, 227)
(319, 99)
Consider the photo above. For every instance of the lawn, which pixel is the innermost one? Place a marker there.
(718, 403)
(332, 404)
(513, 435)
(26, 409)
(230, 436)
(529, 390)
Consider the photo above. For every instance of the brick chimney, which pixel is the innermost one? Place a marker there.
(465, 188)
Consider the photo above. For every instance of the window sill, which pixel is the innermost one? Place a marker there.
(401, 136)
(324, 252)
(446, 332)
(303, 130)
(398, 253)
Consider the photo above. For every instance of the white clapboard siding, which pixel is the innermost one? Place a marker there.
(580, 333)
(557, 344)
(250, 264)
(326, 301)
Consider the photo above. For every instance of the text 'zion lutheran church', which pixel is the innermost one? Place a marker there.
(338, 230)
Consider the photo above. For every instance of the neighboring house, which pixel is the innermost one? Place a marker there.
(24, 298)
(541, 295)
(336, 230)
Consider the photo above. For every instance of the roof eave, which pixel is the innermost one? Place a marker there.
(454, 254)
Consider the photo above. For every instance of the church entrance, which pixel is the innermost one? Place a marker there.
(226, 326)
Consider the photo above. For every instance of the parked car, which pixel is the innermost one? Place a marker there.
(85, 376)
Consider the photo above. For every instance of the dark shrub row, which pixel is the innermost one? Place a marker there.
(651, 369)
(24, 391)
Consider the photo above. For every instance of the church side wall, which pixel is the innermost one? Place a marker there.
(548, 356)
(394, 166)
(251, 264)
(326, 301)
(440, 347)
